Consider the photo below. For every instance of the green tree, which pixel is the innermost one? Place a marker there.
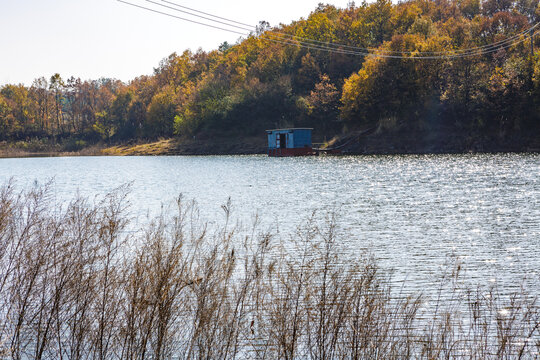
(104, 126)
(379, 16)
(119, 112)
(161, 113)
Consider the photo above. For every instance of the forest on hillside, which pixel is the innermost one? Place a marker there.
(462, 65)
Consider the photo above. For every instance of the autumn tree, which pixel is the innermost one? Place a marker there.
(324, 104)
(40, 92)
(161, 113)
(318, 71)
(56, 85)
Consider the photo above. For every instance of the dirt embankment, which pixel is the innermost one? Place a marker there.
(216, 146)
(22, 150)
(204, 146)
(440, 141)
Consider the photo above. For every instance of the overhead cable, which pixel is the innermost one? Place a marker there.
(200, 16)
(205, 13)
(366, 54)
(473, 49)
(355, 48)
(181, 18)
(278, 37)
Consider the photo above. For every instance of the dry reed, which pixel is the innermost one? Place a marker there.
(74, 286)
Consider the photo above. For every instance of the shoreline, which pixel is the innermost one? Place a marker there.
(374, 144)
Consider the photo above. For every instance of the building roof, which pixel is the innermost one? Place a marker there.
(289, 129)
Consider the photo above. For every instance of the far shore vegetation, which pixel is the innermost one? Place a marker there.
(78, 282)
(486, 101)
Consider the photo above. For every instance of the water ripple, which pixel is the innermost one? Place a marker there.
(411, 212)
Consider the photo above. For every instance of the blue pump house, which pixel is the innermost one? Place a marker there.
(289, 142)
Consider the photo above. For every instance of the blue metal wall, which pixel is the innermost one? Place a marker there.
(271, 140)
(302, 138)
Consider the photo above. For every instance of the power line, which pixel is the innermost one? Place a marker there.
(392, 52)
(342, 49)
(355, 48)
(488, 46)
(199, 16)
(204, 13)
(429, 57)
(337, 47)
(181, 18)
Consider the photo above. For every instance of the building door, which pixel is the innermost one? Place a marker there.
(283, 140)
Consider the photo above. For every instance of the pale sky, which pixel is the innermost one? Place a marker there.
(105, 38)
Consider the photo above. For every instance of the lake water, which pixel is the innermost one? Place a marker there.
(412, 212)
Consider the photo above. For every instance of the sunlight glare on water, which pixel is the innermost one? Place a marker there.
(411, 212)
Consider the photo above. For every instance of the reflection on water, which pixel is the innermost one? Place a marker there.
(412, 212)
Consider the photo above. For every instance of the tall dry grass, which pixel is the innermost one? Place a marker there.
(74, 284)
